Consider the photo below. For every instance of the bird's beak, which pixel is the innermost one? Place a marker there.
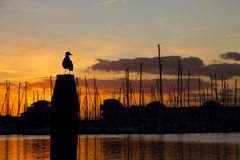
(71, 54)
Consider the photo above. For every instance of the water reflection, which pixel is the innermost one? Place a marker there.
(139, 147)
(24, 148)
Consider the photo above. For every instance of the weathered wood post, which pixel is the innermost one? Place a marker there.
(64, 119)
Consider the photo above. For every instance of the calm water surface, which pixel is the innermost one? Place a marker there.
(149, 147)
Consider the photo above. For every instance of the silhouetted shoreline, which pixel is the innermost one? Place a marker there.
(154, 118)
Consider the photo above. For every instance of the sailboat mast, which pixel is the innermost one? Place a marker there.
(127, 86)
(140, 87)
(51, 86)
(199, 91)
(178, 82)
(44, 94)
(188, 88)
(124, 94)
(211, 85)
(235, 94)
(95, 98)
(7, 107)
(19, 99)
(181, 87)
(120, 95)
(223, 90)
(216, 87)
(86, 99)
(160, 75)
(25, 101)
(37, 96)
(80, 100)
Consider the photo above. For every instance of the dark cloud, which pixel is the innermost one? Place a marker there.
(231, 56)
(225, 69)
(170, 65)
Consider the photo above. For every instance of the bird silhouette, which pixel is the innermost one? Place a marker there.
(67, 63)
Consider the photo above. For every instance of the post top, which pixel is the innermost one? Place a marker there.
(65, 77)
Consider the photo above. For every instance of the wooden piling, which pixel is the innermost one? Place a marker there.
(64, 119)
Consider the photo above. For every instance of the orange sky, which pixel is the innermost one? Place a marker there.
(36, 34)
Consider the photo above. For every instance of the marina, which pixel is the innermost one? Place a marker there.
(188, 106)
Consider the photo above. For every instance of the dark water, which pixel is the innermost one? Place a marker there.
(149, 147)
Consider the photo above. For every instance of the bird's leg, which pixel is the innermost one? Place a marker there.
(65, 71)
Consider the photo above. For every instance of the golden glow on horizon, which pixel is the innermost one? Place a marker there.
(32, 59)
(35, 92)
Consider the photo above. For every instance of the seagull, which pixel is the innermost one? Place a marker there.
(67, 63)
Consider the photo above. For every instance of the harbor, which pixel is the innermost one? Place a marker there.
(186, 107)
(119, 79)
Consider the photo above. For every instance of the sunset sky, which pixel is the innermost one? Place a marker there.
(35, 34)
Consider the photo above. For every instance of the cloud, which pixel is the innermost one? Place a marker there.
(107, 2)
(231, 56)
(170, 65)
(225, 69)
(10, 74)
(237, 35)
(27, 6)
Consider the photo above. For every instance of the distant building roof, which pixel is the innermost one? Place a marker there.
(211, 104)
(112, 103)
(39, 105)
(155, 104)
